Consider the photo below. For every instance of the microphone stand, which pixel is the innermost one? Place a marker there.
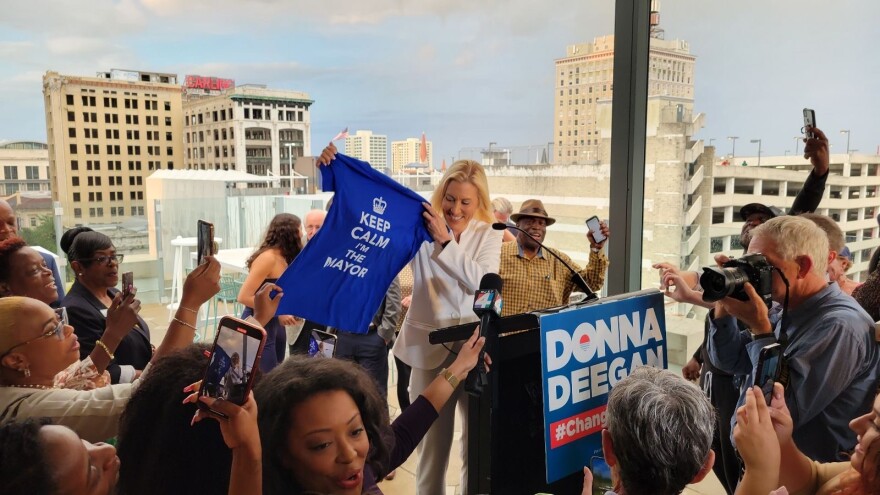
(576, 277)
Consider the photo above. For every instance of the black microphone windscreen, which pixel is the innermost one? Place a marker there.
(499, 225)
(491, 281)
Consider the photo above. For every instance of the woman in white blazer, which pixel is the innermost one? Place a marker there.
(447, 273)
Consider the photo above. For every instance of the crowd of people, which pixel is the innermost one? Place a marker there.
(78, 368)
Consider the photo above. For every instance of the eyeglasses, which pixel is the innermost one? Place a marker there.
(105, 260)
(57, 331)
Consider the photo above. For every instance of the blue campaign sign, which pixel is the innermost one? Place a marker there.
(584, 353)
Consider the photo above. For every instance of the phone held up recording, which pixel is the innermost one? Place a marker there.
(127, 283)
(234, 362)
(809, 123)
(205, 240)
(768, 370)
(596, 229)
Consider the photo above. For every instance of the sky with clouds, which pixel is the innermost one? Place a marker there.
(464, 72)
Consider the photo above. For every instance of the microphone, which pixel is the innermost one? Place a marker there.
(487, 305)
(575, 276)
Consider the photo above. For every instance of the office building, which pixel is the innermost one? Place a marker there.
(248, 128)
(412, 154)
(25, 166)
(585, 78)
(369, 147)
(106, 134)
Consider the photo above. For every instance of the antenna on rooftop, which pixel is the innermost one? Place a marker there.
(656, 30)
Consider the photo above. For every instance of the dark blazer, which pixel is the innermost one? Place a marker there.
(84, 312)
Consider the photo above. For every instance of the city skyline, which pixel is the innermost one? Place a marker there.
(466, 73)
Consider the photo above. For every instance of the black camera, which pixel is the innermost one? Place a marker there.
(730, 279)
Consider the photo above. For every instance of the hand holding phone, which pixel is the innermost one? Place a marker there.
(234, 362)
(769, 364)
(595, 227)
(809, 123)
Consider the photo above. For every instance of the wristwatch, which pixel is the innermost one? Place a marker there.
(450, 377)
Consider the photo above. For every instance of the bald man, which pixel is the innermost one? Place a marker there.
(9, 228)
(314, 222)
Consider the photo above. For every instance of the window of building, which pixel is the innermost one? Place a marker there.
(718, 215)
(167, 120)
(74, 165)
(70, 117)
(77, 213)
(69, 99)
(76, 197)
(72, 148)
(32, 172)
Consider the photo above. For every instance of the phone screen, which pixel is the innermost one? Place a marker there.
(127, 283)
(768, 371)
(595, 229)
(205, 244)
(322, 344)
(235, 357)
(601, 475)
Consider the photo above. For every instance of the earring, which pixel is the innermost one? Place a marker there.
(80, 274)
(27, 372)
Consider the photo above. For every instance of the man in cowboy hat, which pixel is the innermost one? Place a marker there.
(536, 280)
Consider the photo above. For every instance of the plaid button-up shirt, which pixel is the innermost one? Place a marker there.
(543, 282)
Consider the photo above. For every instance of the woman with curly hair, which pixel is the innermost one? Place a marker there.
(162, 451)
(324, 426)
(763, 439)
(281, 244)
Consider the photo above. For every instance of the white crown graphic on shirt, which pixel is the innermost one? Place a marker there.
(379, 205)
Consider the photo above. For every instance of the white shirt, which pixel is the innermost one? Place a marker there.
(444, 283)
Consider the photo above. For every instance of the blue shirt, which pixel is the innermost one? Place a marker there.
(374, 228)
(833, 362)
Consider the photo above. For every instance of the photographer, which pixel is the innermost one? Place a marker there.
(828, 340)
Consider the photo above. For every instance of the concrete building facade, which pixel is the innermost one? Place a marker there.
(248, 128)
(369, 147)
(584, 79)
(106, 134)
(24, 166)
(407, 151)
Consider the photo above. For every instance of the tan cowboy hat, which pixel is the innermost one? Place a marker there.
(533, 208)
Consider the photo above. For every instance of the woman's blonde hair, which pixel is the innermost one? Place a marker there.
(466, 171)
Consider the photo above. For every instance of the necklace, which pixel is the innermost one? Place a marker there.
(41, 387)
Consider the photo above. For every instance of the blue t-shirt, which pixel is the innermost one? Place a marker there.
(374, 228)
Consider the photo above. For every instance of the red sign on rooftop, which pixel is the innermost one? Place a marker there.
(209, 83)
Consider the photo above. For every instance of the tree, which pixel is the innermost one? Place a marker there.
(42, 235)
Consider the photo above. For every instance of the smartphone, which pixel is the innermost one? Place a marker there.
(601, 476)
(769, 364)
(234, 361)
(809, 122)
(596, 229)
(127, 283)
(205, 244)
(322, 344)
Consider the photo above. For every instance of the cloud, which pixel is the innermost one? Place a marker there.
(70, 45)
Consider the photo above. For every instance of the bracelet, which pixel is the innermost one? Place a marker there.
(188, 309)
(451, 378)
(106, 349)
(178, 320)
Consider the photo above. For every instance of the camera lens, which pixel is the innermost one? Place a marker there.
(719, 283)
